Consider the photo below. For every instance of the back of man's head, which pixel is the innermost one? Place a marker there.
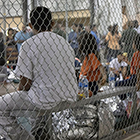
(41, 19)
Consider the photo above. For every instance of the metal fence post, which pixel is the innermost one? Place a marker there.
(25, 12)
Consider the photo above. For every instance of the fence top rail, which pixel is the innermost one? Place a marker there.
(101, 95)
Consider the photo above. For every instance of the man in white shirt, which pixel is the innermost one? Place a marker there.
(47, 76)
(117, 65)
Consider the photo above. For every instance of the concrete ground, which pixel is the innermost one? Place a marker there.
(132, 136)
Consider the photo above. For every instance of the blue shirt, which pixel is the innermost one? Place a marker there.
(72, 38)
(97, 39)
(21, 36)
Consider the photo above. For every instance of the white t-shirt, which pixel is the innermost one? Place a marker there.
(48, 60)
(138, 30)
(116, 65)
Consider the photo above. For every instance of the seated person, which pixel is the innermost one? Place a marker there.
(77, 62)
(91, 66)
(3, 70)
(134, 79)
(117, 66)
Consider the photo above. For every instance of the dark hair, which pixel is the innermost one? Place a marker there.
(92, 26)
(74, 24)
(10, 29)
(81, 25)
(41, 18)
(135, 24)
(120, 53)
(137, 42)
(113, 31)
(87, 44)
(109, 28)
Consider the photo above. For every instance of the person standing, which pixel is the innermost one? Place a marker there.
(127, 39)
(47, 77)
(21, 36)
(93, 31)
(113, 47)
(91, 65)
(11, 50)
(134, 79)
(72, 39)
(58, 30)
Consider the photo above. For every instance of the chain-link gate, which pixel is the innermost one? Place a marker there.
(69, 69)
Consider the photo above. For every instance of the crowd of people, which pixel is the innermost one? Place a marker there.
(46, 69)
(119, 52)
(115, 43)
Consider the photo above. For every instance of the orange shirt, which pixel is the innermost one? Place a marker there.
(135, 63)
(90, 68)
(113, 41)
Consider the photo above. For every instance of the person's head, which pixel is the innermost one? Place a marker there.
(87, 44)
(109, 28)
(63, 28)
(136, 43)
(24, 28)
(10, 31)
(114, 29)
(80, 27)
(93, 27)
(74, 26)
(135, 24)
(41, 19)
(87, 29)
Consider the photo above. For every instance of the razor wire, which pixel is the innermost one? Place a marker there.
(80, 80)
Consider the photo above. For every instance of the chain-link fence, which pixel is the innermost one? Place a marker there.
(69, 71)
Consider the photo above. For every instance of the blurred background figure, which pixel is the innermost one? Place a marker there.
(87, 29)
(11, 49)
(58, 30)
(80, 28)
(136, 26)
(127, 39)
(3, 68)
(72, 39)
(91, 65)
(113, 46)
(93, 31)
(21, 36)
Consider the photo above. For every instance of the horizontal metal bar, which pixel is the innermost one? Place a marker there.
(100, 95)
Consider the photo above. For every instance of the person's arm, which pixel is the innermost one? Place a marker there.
(138, 80)
(24, 84)
(115, 71)
(124, 72)
(107, 37)
(111, 67)
(104, 76)
(19, 41)
(17, 38)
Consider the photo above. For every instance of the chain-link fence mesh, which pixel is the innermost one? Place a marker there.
(69, 71)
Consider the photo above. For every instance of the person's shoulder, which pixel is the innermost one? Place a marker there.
(123, 63)
(115, 60)
(71, 33)
(18, 33)
(92, 56)
(109, 33)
